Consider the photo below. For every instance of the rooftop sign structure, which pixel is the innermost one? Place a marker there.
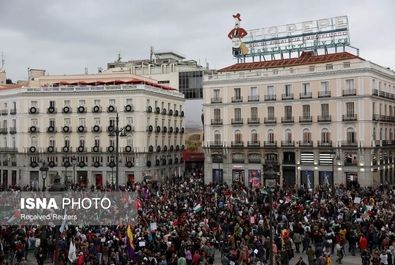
(290, 38)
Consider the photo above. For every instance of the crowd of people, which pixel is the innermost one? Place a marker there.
(184, 221)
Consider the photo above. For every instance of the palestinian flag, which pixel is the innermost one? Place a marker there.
(198, 208)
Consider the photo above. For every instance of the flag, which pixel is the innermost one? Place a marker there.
(130, 243)
(197, 208)
(72, 252)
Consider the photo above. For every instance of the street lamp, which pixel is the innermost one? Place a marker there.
(44, 170)
(117, 132)
(270, 174)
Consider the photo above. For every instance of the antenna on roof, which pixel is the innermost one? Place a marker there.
(119, 56)
(151, 55)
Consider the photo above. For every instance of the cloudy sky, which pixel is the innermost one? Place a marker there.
(64, 37)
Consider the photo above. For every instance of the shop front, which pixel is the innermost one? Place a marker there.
(218, 176)
(307, 179)
(254, 178)
(326, 178)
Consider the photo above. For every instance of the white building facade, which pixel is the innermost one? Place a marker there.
(320, 119)
(69, 127)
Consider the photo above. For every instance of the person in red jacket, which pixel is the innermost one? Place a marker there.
(81, 259)
(196, 258)
(363, 242)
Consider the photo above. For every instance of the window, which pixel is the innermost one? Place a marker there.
(237, 93)
(238, 114)
(129, 101)
(254, 136)
(305, 88)
(52, 122)
(67, 103)
(129, 120)
(96, 121)
(52, 103)
(346, 65)
(14, 122)
(217, 137)
(52, 141)
(373, 107)
(325, 86)
(270, 136)
(311, 68)
(275, 71)
(325, 136)
(288, 135)
(111, 122)
(270, 112)
(67, 141)
(34, 141)
(374, 134)
(97, 102)
(97, 141)
(288, 90)
(111, 102)
(350, 108)
(306, 111)
(67, 122)
(288, 112)
(350, 84)
(254, 91)
(34, 122)
(270, 90)
(112, 142)
(238, 137)
(81, 102)
(329, 67)
(82, 141)
(217, 114)
(325, 110)
(351, 136)
(216, 94)
(33, 104)
(306, 136)
(254, 113)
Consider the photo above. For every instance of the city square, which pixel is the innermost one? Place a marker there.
(266, 140)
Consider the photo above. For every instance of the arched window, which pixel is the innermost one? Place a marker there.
(306, 136)
(254, 136)
(33, 141)
(97, 141)
(82, 141)
(325, 136)
(52, 141)
(238, 137)
(270, 136)
(288, 136)
(351, 136)
(217, 137)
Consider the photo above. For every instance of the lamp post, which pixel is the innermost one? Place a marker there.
(117, 132)
(270, 174)
(44, 170)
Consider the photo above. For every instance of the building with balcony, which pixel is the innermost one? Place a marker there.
(68, 122)
(320, 119)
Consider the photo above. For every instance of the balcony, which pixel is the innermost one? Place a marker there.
(216, 100)
(96, 129)
(3, 130)
(287, 96)
(253, 120)
(349, 92)
(305, 95)
(51, 149)
(33, 129)
(287, 120)
(81, 109)
(270, 143)
(254, 98)
(66, 109)
(388, 143)
(350, 117)
(349, 144)
(4, 112)
(324, 118)
(238, 121)
(237, 144)
(216, 121)
(324, 94)
(97, 109)
(239, 160)
(270, 120)
(34, 110)
(12, 130)
(350, 163)
(67, 129)
(52, 110)
(287, 143)
(270, 97)
(216, 144)
(8, 149)
(81, 129)
(237, 99)
(254, 144)
(81, 149)
(96, 149)
(306, 144)
(324, 143)
(305, 119)
(111, 109)
(51, 129)
(130, 108)
(375, 92)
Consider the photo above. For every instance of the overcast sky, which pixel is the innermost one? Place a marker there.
(64, 37)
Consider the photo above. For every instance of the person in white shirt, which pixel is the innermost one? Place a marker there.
(383, 258)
